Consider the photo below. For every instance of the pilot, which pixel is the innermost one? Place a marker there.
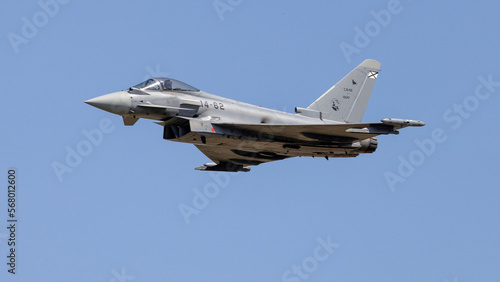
(167, 84)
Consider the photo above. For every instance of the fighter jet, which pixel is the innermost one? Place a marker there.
(237, 135)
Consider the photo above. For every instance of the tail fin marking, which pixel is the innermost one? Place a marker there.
(346, 101)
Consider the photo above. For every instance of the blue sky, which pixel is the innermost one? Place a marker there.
(423, 207)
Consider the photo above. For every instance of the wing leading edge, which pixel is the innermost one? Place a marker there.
(236, 147)
(342, 132)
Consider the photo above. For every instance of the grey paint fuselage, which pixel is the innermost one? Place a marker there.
(228, 110)
(236, 135)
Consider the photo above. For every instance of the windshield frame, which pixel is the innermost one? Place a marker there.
(164, 84)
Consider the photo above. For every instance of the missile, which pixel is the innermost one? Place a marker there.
(223, 167)
(402, 122)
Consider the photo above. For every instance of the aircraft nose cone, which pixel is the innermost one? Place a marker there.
(117, 103)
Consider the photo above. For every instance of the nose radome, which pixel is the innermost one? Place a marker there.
(117, 103)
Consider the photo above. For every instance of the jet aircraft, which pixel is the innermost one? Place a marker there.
(237, 135)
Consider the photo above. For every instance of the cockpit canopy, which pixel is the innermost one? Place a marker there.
(163, 84)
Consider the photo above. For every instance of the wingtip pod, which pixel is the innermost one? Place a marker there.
(372, 64)
(403, 122)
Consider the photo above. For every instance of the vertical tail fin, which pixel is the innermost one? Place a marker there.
(347, 100)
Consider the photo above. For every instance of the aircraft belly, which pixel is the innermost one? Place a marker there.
(231, 148)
